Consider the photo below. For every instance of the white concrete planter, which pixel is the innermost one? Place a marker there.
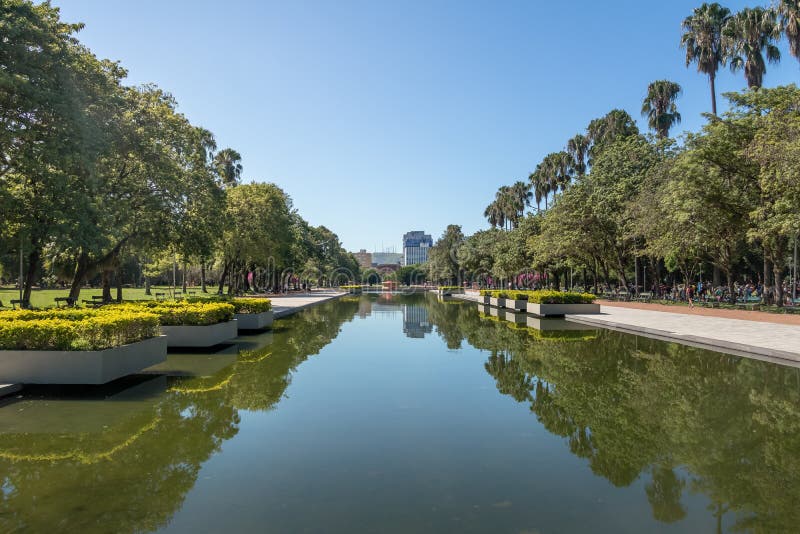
(449, 292)
(521, 305)
(484, 299)
(496, 301)
(515, 317)
(254, 321)
(80, 366)
(547, 310)
(555, 324)
(200, 336)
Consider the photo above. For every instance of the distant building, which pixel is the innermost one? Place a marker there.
(364, 258)
(416, 245)
(386, 258)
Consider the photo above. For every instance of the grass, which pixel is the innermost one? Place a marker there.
(45, 298)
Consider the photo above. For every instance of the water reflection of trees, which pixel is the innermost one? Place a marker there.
(680, 417)
(134, 475)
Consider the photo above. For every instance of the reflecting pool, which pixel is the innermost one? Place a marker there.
(404, 414)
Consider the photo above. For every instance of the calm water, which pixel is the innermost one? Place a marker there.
(407, 414)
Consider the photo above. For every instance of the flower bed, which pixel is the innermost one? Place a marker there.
(191, 324)
(78, 346)
(541, 296)
(75, 330)
(184, 313)
(254, 305)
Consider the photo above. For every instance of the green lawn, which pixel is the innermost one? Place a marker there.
(45, 298)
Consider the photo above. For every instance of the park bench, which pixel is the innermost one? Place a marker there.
(93, 303)
(644, 297)
(160, 296)
(68, 302)
(23, 304)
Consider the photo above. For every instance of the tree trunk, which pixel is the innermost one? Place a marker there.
(106, 281)
(147, 285)
(203, 276)
(777, 272)
(81, 268)
(30, 272)
(184, 276)
(731, 289)
(713, 95)
(119, 284)
(716, 278)
(223, 276)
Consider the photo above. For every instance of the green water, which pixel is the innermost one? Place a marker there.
(411, 415)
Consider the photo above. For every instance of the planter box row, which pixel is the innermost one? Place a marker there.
(101, 366)
(542, 310)
(81, 367)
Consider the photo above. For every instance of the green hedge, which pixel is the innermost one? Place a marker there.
(184, 313)
(541, 296)
(251, 305)
(449, 288)
(100, 329)
(351, 287)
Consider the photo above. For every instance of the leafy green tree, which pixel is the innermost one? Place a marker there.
(702, 39)
(443, 263)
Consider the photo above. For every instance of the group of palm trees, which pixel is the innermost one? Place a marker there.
(713, 37)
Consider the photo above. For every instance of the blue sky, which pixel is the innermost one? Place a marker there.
(381, 117)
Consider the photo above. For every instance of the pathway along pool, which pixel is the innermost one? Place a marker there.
(405, 414)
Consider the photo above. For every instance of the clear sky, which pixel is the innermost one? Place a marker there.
(380, 117)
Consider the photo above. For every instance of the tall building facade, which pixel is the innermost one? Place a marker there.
(416, 245)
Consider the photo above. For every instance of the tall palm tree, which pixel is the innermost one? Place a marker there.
(702, 39)
(789, 12)
(521, 195)
(228, 164)
(659, 107)
(538, 191)
(747, 38)
(578, 149)
(493, 215)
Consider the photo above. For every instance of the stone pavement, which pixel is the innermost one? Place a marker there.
(284, 306)
(758, 339)
(778, 343)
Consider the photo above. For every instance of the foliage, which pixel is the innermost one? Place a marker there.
(75, 330)
(183, 313)
(541, 296)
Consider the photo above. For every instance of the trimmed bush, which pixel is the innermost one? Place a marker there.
(184, 313)
(541, 296)
(254, 305)
(96, 331)
(449, 288)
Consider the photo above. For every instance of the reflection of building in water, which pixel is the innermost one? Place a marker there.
(364, 308)
(415, 321)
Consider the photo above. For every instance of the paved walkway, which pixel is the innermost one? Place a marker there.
(779, 343)
(759, 335)
(747, 315)
(284, 306)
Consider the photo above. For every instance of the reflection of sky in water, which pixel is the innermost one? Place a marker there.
(330, 424)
